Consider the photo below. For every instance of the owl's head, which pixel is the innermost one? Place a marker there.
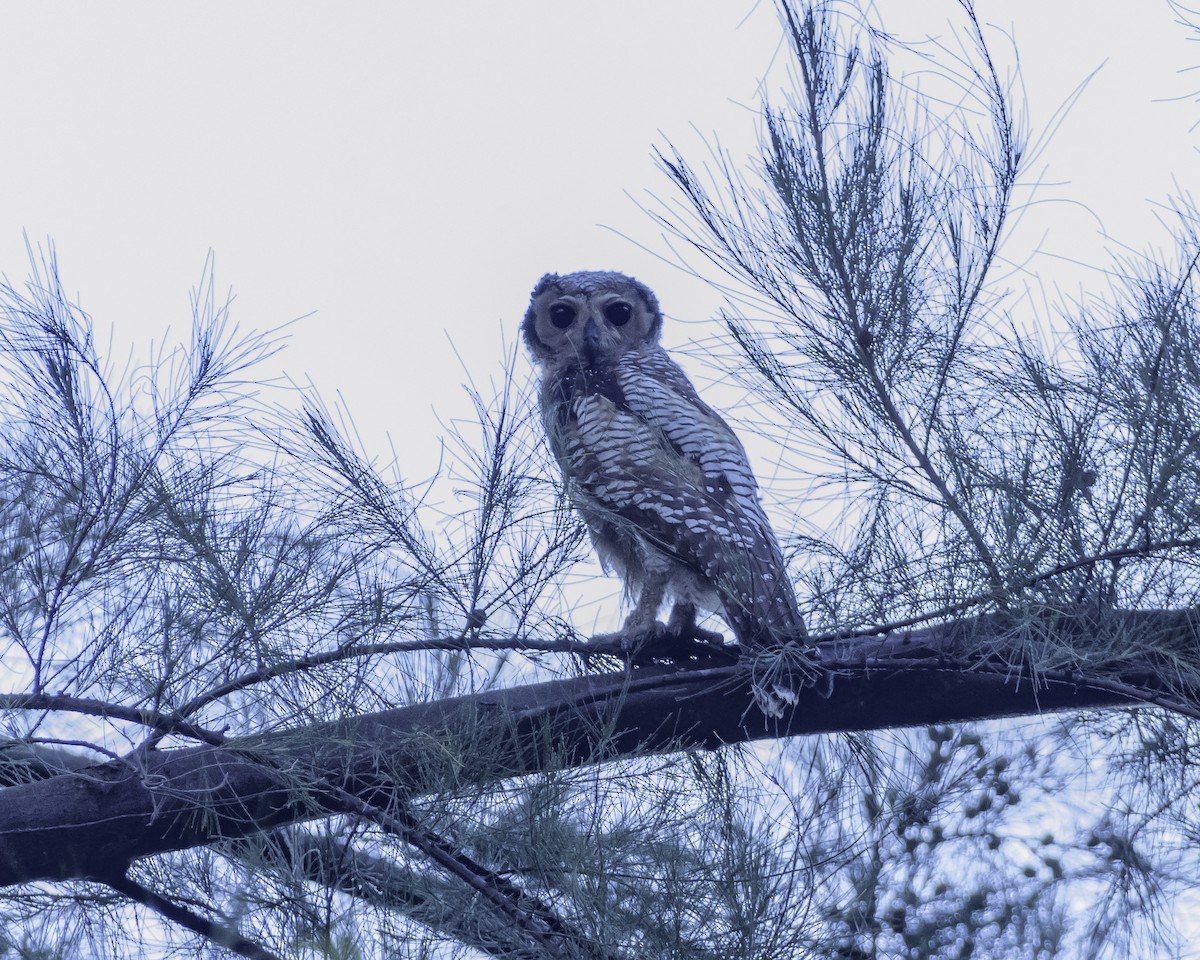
(592, 315)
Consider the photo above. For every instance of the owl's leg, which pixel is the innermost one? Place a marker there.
(682, 625)
(646, 639)
(644, 618)
(642, 630)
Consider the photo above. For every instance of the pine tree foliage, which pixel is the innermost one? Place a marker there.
(268, 696)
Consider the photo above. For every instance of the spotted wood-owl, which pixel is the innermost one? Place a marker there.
(660, 479)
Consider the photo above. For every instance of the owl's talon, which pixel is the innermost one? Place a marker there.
(668, 643)
(630, 642)
(685, 633)
(707, 638)
(657, 642)
(642, 644)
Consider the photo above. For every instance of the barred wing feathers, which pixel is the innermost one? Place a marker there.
(644, 450)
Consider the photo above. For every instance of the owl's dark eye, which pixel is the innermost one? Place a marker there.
(562, 315)
(618, 313)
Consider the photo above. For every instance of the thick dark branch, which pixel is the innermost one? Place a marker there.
(89, 822)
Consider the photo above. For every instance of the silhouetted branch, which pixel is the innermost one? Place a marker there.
(81, 823)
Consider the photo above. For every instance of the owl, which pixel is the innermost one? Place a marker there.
(661, 481)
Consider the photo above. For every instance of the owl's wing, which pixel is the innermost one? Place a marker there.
(658, 391)
(698, 496)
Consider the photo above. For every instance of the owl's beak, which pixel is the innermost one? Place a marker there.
(591, 333)
(591, 338)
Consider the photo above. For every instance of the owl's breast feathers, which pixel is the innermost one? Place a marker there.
(649, 463)
(628, 441)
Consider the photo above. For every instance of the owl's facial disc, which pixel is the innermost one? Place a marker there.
(624, 315)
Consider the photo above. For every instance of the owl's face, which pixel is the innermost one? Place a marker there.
(590, 316)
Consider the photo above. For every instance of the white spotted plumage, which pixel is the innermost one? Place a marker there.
(662, 482)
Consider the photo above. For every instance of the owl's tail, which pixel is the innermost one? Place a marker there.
(760, 606)
(760, 603)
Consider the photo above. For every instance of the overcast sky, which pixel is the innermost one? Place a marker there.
(408, 170)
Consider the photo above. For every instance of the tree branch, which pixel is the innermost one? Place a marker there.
(218, 933)
(527, 916)
(86, 823)
(433, 901)
(110, 711)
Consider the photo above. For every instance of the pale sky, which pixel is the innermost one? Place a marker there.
(408, 170)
